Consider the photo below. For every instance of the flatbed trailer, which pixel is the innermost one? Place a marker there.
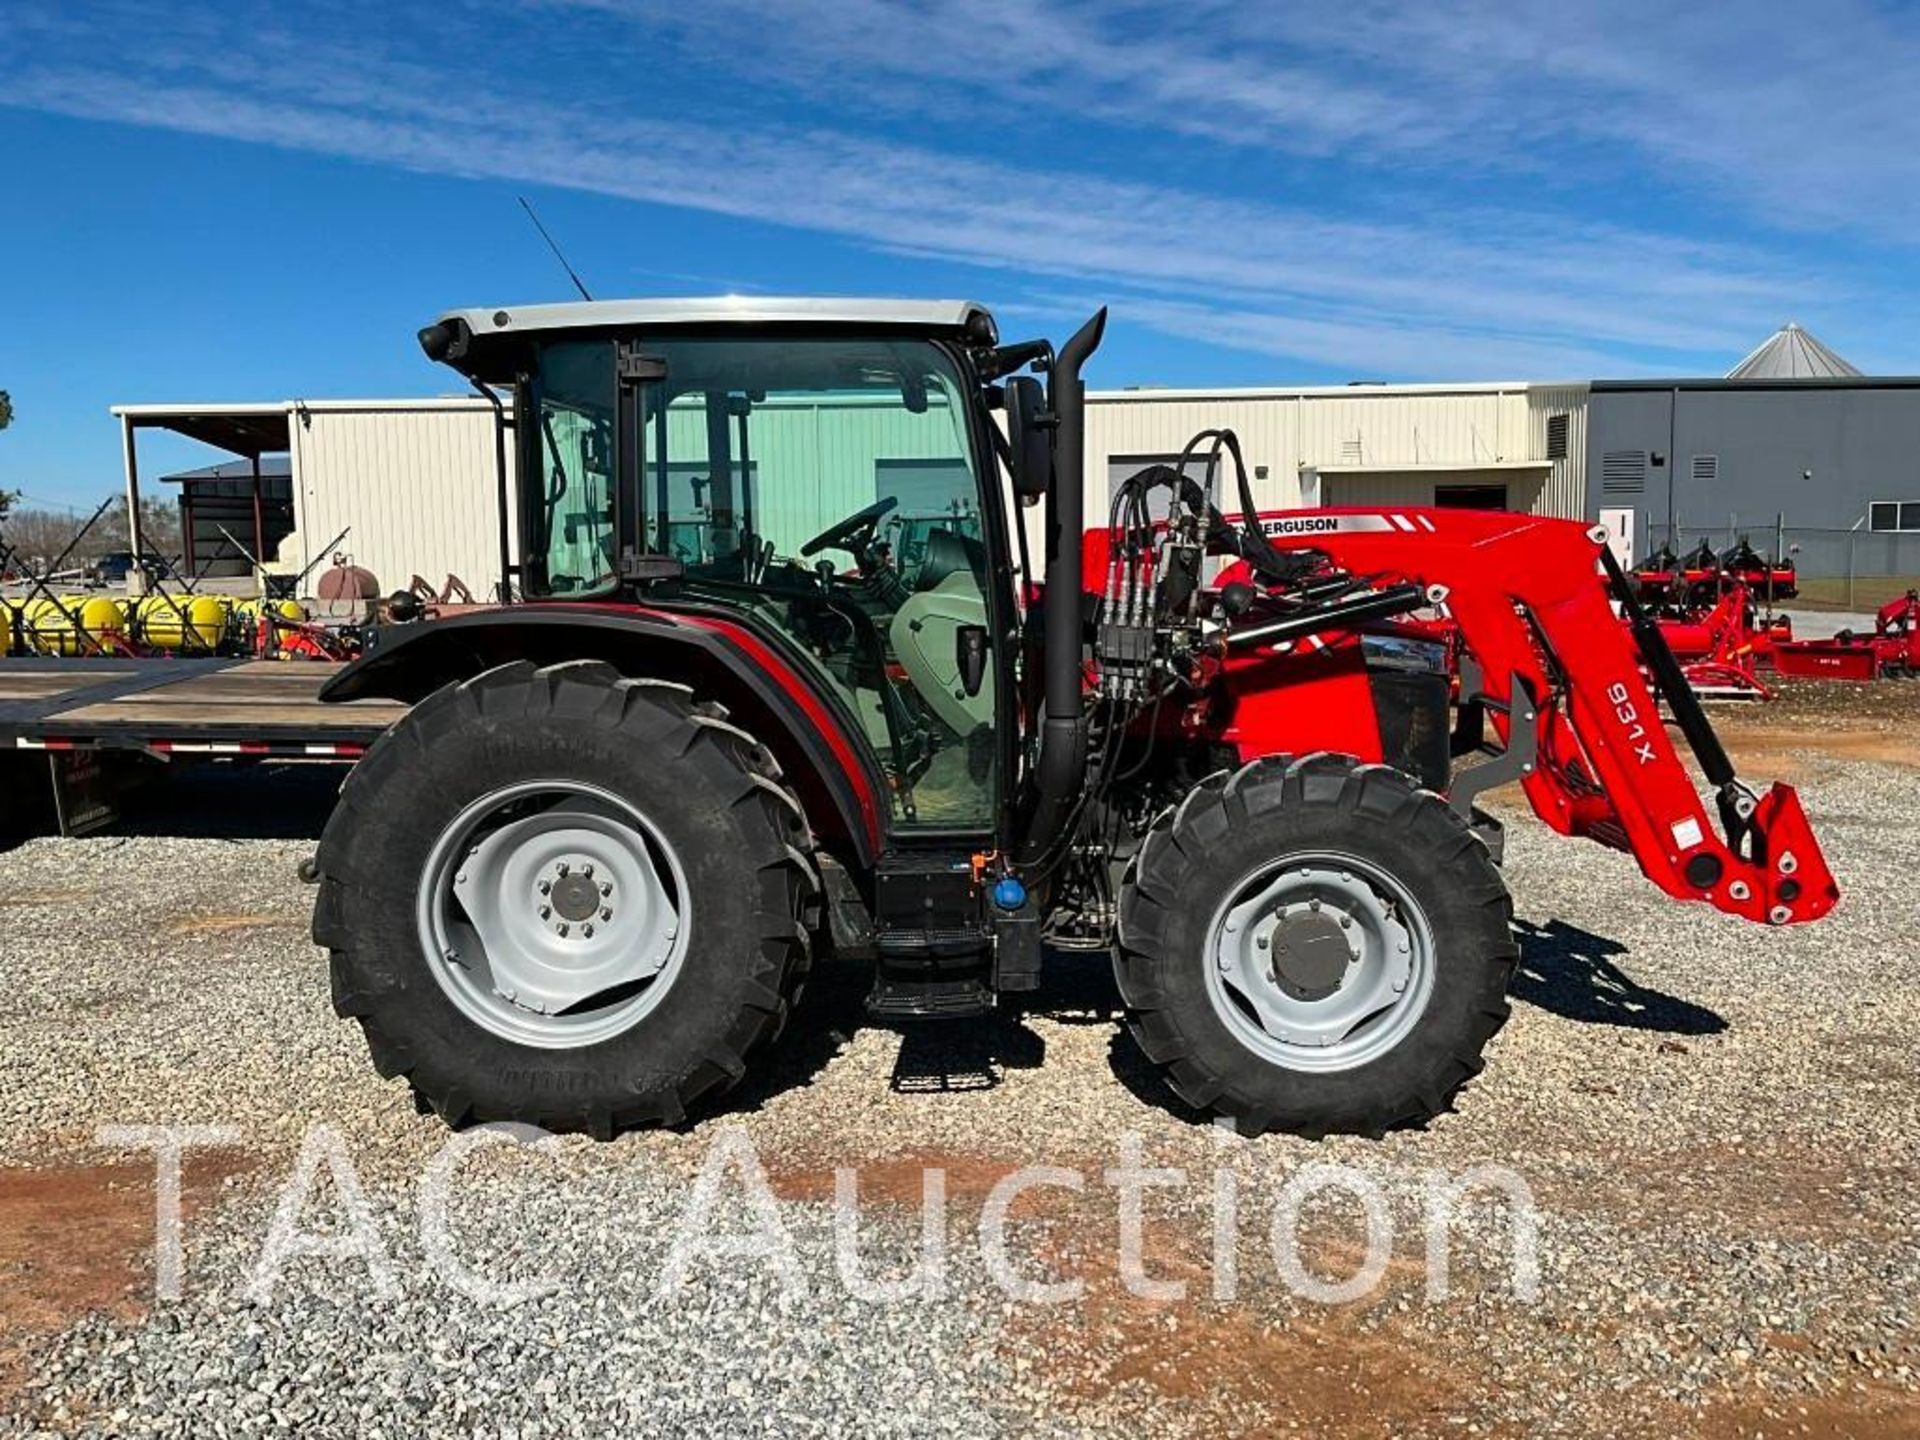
(74, 732)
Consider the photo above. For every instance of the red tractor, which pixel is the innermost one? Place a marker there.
(584, 878)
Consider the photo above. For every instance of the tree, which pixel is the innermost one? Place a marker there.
(39, 535)
(159, 524)
(8, 498)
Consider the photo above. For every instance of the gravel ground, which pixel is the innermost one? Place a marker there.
(1717, 1124)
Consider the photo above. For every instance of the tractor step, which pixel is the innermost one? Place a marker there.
(895, 998)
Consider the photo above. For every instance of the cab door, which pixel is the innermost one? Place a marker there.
(828, 487)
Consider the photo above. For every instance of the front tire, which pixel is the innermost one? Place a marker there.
(1314, 946)
(566, 898)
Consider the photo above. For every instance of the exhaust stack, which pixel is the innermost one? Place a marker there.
(1059, 773)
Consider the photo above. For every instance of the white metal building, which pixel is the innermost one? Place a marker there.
(410, 481)
(1502, 446)
(413, 480)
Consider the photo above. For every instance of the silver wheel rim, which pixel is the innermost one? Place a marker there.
(553, 914)
(1319, 962)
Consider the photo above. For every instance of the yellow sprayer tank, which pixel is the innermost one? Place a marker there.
(287, 611)
(182, 622)
(49, 628)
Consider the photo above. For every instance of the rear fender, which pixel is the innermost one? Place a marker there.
(720, 659)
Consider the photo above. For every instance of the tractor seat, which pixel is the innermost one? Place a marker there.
(948, 553)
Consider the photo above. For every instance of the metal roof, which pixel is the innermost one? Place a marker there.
(159, 414)
(243, 429)
(1369, 390)
(1428, 467)
(262, 427)
(275, 467)
(718, 310)
(1806, 385)
(1791, 353)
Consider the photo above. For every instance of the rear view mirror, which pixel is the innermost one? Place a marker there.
(1029, 437)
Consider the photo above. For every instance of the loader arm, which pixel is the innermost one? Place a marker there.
(1566, 686)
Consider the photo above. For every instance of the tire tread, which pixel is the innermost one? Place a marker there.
(1172, 855)
(699, 732)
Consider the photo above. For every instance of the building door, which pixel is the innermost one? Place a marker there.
(1470, 497)
(1618, 524)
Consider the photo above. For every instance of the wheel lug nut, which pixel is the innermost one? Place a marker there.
(587, 870)
(561, 869)
(546, 887)
(563, 927)
(606, 887)
(587, 930)
(545, 911)
(606, 912)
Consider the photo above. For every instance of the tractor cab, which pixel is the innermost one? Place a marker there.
(823, 470)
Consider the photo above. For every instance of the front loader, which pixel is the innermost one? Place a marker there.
(730, 719)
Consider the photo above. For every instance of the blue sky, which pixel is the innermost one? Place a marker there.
(226, 202)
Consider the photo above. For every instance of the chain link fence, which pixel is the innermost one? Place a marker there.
(1856, 570)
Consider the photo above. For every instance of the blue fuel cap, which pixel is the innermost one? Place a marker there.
(1009, 893)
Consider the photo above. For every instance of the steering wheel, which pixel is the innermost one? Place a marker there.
(842, 535)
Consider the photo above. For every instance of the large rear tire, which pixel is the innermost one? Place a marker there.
(562, 897)
(1314, 945)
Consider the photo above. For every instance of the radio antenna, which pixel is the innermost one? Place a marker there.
(553, 247)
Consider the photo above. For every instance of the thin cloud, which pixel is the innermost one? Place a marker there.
(1376, 347)
(1043, 60)
(1444, 291)
(1802, 113)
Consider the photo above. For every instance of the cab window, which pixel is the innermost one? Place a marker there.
(570, 456)
(829, 486)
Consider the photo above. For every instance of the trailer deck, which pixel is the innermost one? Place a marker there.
(186, 706)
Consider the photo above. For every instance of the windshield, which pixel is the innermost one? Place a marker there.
(768, 443)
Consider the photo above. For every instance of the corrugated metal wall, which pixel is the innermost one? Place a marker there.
(416, 485)
(1387, 431)
(1138, 424)
(1403, 487)
(1565, 492)
(416, 482)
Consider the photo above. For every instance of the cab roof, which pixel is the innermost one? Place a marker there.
(720, 310)
(470, 339)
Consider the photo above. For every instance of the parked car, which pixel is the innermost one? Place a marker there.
(115, 566)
